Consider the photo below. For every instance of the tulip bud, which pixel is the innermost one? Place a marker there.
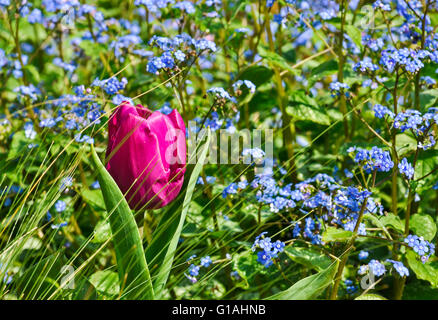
(146, 155)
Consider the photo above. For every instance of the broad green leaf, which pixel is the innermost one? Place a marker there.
(165, 239)
(428, 98)
(393, 221)
(370, 296)
(308, 257)
(106, 282)
(424, 271)
(423, 225)
(427, 161)
(277, 60)
(376, 221)
(326, 68)
(334, 234)
(419, 290)
(405, 143)
(309, 288)
(19, 145)
(135, 281)
(355, 34)
(90, 48)
(257, 74)
(308, 113)
(303, 107)
(102, 232)
(247, 267)
(93, 197)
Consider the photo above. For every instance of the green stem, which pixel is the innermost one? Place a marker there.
(394, 151)
(341, 58)
(288, 133)
(349, 247)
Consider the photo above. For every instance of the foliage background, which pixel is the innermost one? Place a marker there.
(53, 214)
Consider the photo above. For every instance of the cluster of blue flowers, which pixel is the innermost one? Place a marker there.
(193, 270)
(111, 86)
(72, 112)
(221, 95)
(324, 9)
(29, 91)
(215, 122)
(312, 229)
(253, 155)
(365, 65)
(371, 160)
(382, 111)
(420, 124)
(208, 180)
(60, 207)
(157, 6)
(399, 268)
(337, 88)
(177, 51)
(406, 169)
(270, 250)
(411, 60)
(422, 247)
(350, 287)
(376, 267)
(251, 86)
(321, 199)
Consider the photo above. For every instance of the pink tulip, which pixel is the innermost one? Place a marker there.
(146, 155)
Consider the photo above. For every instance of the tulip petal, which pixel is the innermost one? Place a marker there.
(146, 155)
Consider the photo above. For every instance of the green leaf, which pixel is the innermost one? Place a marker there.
(90, 48)
(423, 225)
(419, 290)
(165, 239)
(355, 34)
(19, 145)
(391, 220)
(428, 98)
(276, 60)
(335, 234)
(257, 74)
(102, 232)
(324, 69)
(424, 271)
(247, 267)
(93, 197)
(308, 257)
(405, 143)
(310, 287)
(303, 107)
(135, 281)
(427, 161)
(370, 296)
(106, 282)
